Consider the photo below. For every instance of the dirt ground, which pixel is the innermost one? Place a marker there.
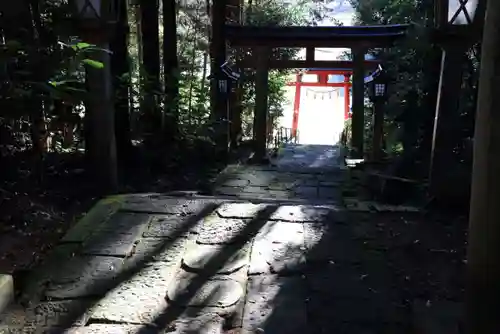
(427, 249)
(427, 252)
(34, 214)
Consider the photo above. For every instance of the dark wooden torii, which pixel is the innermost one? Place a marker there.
(263, 38)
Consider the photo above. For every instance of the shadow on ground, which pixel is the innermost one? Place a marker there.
(200, 264)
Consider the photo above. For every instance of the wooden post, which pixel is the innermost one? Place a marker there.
(347, 99)
(296, 105)
(100, 117)
(358, 104)
(235, 113)
(483, 262)
(260, 113)
(378, 130)
(446, 117)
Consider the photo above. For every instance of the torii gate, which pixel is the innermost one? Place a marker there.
(323, 75)
(263, 39)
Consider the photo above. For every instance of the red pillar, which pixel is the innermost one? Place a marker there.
(296, 105)
(347, 100)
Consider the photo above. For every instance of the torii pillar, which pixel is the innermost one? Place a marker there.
(347, 97)
(296, 105)
(358, 104)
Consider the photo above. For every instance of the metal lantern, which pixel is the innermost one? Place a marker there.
(95, 12)
(226, 75)
(457, 12)
(378, 87)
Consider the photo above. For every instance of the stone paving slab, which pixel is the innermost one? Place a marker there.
(199, 258)
(286, 178)
(117, 236)
(216, 230)
(189, 289)
(183, 206)
(275, 305)
(45, 316)
(231, 191)
(139, 300)
(202, 324)
(153, 250)
(85, 276)
(168, 226)
(96, 216)
(34, 287)
(278, 248)
(239, 210)
(268, 258)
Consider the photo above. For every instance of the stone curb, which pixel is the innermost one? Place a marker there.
(6, 291)
(69, 244)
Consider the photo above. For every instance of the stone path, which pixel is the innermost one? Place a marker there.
(274, 250)
(311, 173)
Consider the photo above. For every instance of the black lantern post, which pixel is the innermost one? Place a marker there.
(225, 79)
(94, 21)
(453, 15)
(378, 95)
(378, 86)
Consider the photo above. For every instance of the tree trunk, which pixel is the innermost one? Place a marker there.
(150, 65)
(120, 68)
(30, 33)
(191, 82)
(202, 97)
(171, 69)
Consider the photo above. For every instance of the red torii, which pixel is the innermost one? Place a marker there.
(322, 81)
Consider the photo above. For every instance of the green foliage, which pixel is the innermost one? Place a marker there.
(93, 63)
